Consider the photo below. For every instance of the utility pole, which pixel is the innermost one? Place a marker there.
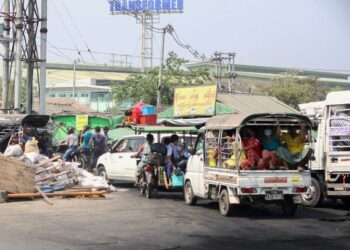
(225, 76)
(6, 59)
(19, 37)
(43, 50)
(74, 78)
(30, 64)
(159, 87)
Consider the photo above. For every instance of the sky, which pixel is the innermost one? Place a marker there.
(311, 34)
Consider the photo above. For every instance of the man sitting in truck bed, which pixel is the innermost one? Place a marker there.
(294, 154)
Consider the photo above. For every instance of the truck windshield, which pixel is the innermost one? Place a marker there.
(339, 128)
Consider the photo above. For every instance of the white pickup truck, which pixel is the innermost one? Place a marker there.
(208, 178)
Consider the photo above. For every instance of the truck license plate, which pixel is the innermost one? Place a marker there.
(273, 195)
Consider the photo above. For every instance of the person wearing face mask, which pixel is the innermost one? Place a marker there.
(270, 145)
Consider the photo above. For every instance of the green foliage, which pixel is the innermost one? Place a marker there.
(291, 89)
(143, 87)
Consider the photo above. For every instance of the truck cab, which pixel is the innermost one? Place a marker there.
(209, 175)
(331, 168)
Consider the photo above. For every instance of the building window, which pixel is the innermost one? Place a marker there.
(52, 95)
(62, 95)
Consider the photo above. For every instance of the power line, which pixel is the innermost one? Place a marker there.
(67, 31)
(79, 32)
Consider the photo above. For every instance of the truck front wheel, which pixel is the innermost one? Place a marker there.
(190, 199)
(224, 203)
(313, 196)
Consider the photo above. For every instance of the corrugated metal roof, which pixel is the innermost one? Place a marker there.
(250, 104)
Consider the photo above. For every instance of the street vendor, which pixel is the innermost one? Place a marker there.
(294, 154)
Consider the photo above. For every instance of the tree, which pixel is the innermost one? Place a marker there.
(292, 89)
(143, 87)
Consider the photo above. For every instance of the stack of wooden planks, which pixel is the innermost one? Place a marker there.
(15, 176)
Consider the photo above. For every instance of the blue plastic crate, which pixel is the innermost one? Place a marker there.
(148, 110)
(177, 180)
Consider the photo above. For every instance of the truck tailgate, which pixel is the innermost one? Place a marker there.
(274, 179)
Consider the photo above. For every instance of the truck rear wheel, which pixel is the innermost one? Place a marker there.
(346, 202)
(224, 203)
(189, 195)
(289, 208)
(313, 196)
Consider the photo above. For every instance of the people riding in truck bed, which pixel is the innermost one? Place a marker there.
(252, 149)
(231, 163)
(294, 154)
(270, 145)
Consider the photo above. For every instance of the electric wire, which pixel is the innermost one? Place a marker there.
(67, 31)
(78, 30)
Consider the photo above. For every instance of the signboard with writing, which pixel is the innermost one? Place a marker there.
(81, 121)
(148, 6)
(195, 101)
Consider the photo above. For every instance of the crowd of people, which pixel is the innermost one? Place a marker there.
(273, 150)
(92, 144)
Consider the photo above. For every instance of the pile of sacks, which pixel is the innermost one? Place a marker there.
(55, 174)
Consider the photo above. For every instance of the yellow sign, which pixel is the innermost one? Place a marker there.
(195, 101)
(81, 121)
(296, 179)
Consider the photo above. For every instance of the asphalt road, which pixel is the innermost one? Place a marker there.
(127, 221)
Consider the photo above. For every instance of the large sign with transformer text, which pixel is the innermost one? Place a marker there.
(147, 6)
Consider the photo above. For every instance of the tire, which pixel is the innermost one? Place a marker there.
(224, 203)
(289, 208)
(81, 160)
(313, 196)
(346, 202)
(190, 199)
(148, 191)
(101, 171)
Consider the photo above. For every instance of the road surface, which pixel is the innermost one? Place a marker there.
(124, 220)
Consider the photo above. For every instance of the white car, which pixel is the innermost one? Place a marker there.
(117, 164)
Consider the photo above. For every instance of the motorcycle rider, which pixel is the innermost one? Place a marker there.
(72, 144)
(98, 144)
(85, 137)
(144, 152)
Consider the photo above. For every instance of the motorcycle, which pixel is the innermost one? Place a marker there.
(148, 180)
(77, 155)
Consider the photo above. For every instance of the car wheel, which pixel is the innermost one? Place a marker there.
(313, 196)
(224, 203)
(289, 208)
(101, 171)
(188, 194)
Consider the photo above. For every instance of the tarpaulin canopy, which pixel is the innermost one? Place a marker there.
(219, 110)
(94, 121)
(116, 134)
